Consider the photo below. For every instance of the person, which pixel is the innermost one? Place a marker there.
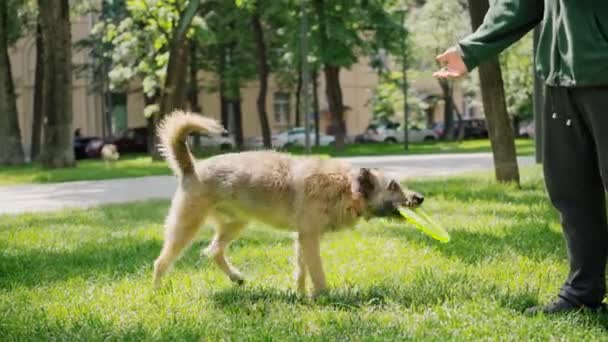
(572, 59)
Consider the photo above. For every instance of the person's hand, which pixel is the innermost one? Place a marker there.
(453, 65)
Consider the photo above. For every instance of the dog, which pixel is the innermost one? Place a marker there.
(109, 154)
(306, 195)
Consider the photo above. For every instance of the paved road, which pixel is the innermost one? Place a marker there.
(49, 197)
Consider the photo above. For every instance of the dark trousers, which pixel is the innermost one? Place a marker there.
(575, 158)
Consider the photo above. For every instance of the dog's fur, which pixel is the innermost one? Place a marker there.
(109, 154)
(307, 195)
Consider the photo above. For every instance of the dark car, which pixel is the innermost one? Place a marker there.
(132, 140)
(82, 147)
(475, 129)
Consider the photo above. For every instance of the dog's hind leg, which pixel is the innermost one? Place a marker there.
(310, 244)
(226, 232)
(182, 224)
(300, 272)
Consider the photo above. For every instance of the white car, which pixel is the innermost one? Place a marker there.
(297, 137)
(527, 130)
(393, 133)
(292, 137)
(224, 141)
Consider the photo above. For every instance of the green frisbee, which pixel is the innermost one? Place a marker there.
(424, 223)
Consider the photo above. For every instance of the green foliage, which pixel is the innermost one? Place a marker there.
(355, 29)
(86, 275)
(21, 18)
(518, 76)
(436, 26)
(135, 37)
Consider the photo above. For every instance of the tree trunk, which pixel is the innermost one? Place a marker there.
(150, 123)
(262, 66)
(333, 90)
(174, 90)
(299, 84)
(193, 82)
(238, 121)
(222, 87)
(448, 110)
(194, 90)
(492, 91)
(315, 104)
(11, 150)
(57, 150)
(37, 111)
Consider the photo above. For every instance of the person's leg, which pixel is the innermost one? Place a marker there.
(572, 176)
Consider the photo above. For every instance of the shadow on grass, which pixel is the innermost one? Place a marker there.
(425, 288)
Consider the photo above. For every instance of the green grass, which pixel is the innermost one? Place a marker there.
(129, 166)
(86, 275)
(525, 147)
(138, 165)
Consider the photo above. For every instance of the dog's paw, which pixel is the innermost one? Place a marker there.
(238, 279)
(319, 294)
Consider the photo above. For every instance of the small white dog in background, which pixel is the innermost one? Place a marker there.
(109, 154)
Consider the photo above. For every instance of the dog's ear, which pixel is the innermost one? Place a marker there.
(366, 182)
(394, 186)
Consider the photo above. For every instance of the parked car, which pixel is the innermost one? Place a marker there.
(527, 130)
(82, 147)
(224, 141)
(292, 137)
(297, 137)
(392, 132)
(132, 140)
(475, 129)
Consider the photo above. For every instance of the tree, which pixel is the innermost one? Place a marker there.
(11, 150)
(492, 91)
(38, 82)
(257, 8)
(174, 90)
(438, 24)
(149, 40)
(57, 150)
(344, 31)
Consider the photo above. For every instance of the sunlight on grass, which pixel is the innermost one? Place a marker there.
(131, 166)
(86, 275)
(525, 147)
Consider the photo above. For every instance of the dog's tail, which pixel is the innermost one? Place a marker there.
(173, 131)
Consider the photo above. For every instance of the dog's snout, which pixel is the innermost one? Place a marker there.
(417, 199)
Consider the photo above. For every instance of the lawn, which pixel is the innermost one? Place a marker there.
(138, 165)
(86, 275)
(525, 147)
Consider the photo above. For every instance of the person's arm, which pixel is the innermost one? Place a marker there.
(505, 23)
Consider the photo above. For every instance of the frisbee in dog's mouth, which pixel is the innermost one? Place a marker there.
(424, 223)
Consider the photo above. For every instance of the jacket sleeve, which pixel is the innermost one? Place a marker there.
(504, 24)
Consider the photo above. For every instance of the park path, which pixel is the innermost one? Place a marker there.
(16, 199)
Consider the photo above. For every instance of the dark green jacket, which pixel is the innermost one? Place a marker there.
(573, 44)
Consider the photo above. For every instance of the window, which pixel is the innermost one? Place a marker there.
(281, 107)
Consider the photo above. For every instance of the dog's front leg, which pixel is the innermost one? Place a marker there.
(310, 243)
(300, 272)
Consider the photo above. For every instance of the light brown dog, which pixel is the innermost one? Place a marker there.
(306, 195)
